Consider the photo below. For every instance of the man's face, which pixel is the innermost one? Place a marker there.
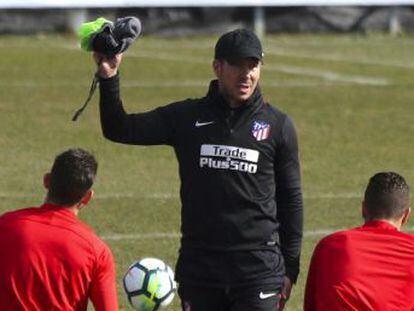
(238, 80)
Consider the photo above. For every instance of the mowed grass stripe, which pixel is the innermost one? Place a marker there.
(156, 196)
(342, 58)
(294, 70)
(333, 77)
(272, 49)
(333, 80)
(176, 235)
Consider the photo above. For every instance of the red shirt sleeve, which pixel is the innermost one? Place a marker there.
(103, 286)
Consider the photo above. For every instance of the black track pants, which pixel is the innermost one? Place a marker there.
(246, 298)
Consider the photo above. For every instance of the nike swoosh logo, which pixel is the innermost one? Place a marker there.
(265, 296)
(198, 124)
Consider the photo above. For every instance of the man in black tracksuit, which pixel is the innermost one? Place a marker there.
(240, 181)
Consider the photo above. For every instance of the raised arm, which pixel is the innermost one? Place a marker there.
(149, 128)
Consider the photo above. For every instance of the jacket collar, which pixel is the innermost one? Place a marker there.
(57, 208)
(51, 206)
(216, 98)
(379, 224)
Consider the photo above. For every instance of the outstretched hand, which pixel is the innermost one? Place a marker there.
(107, 66)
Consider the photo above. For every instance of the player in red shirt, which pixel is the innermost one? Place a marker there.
(369, 267)
(50, 259)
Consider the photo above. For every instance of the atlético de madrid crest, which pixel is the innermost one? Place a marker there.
(260, 130)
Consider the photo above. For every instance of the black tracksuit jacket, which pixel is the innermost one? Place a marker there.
(240, 183)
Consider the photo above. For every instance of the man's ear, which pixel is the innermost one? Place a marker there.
(406, 216)
(87, 197)
(46, 180)
(216, 67)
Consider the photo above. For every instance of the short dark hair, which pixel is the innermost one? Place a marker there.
(386, 196)
(72, 175)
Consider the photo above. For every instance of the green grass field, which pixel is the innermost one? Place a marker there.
(351, 98)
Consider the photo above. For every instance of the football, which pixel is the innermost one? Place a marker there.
(149, 284)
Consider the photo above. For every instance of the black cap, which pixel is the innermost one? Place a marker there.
(238, 44)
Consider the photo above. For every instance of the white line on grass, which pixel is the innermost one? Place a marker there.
(330, 75)
(270, 43)
(176, 235)
(301, 71)
(155, 196)
(169, 57)
(294, 70)
(341, 58)
(278, 51)
(326, 57)
(166, 195)
(315, 196)
(141, 236)
(338, 42)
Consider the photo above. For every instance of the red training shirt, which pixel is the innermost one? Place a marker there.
(366, 268)
(52, 261)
